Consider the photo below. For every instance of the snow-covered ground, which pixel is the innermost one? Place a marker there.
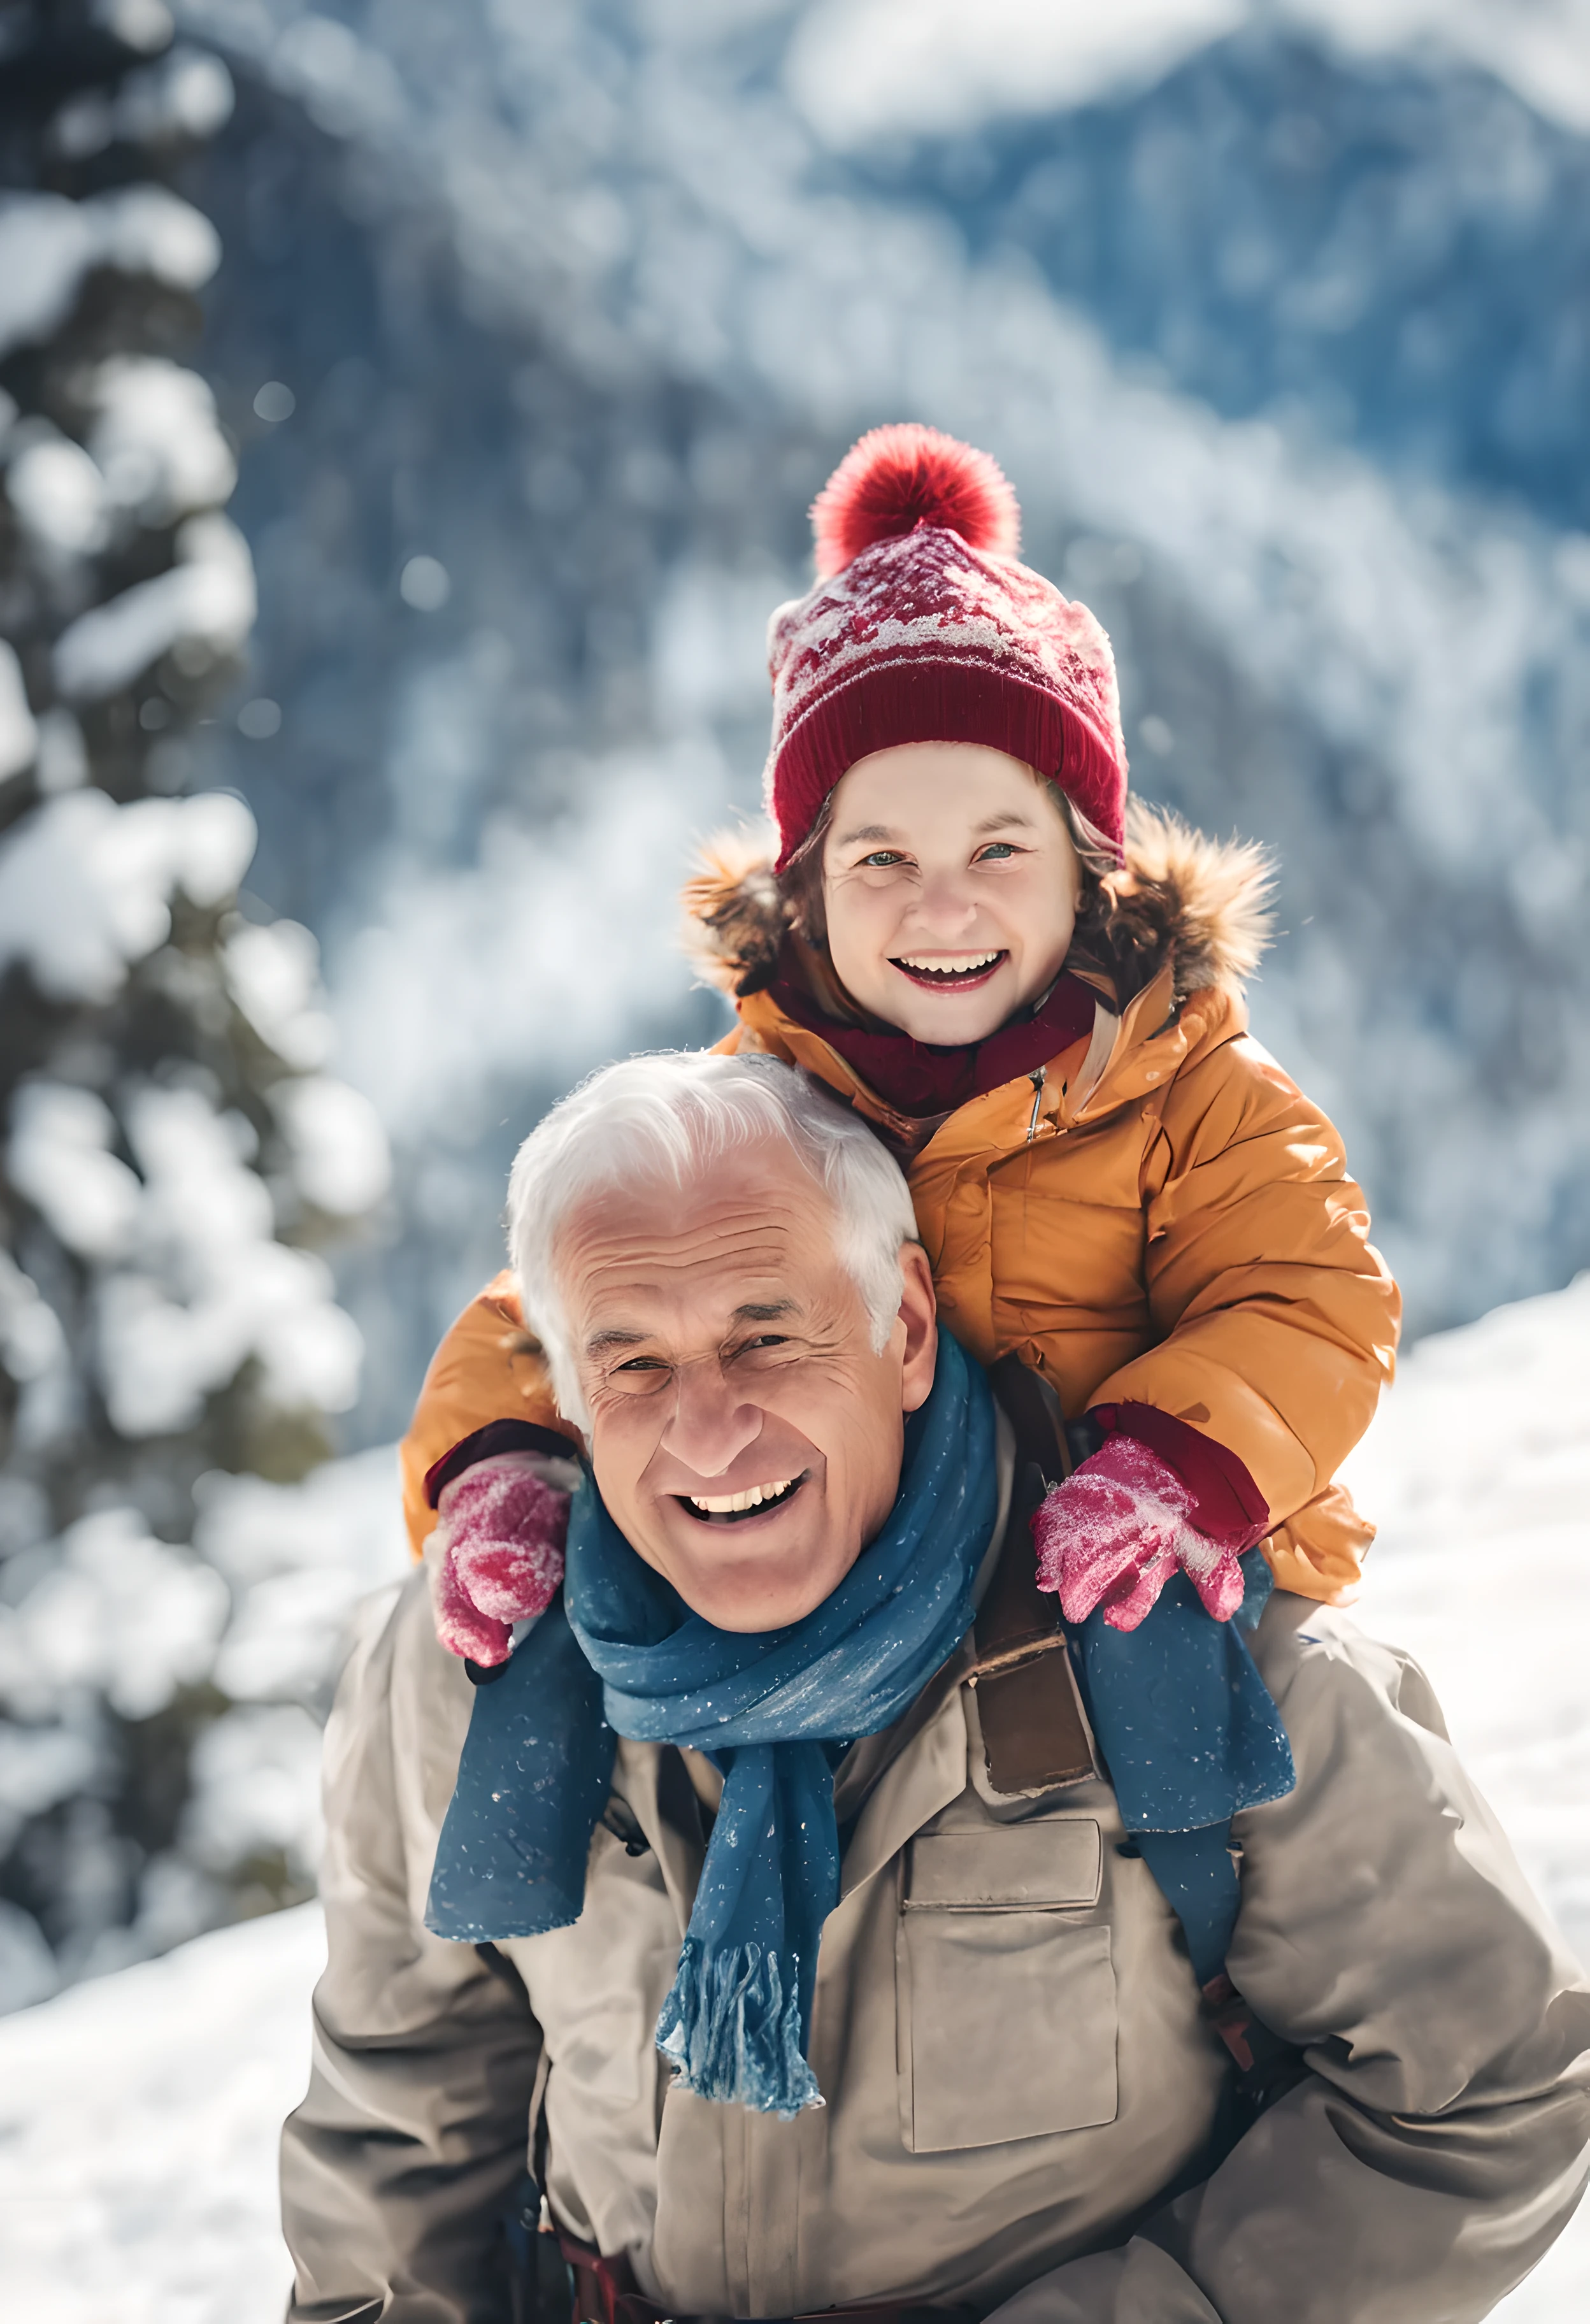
(139, 2114)
(1478, 1470)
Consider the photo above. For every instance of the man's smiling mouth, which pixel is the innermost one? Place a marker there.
(949, 971)
(730, 1508)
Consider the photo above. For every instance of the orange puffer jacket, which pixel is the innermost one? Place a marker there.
(1159, 1216)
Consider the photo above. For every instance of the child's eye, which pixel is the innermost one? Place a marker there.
(996, 851)
(883, 859)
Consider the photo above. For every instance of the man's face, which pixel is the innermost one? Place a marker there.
(746, 1438)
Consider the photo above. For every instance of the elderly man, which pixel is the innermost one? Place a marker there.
(839, 1981)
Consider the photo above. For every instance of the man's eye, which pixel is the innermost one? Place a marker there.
(642, 1364)
(769, 1340)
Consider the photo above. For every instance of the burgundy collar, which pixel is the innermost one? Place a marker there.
(920, 1081)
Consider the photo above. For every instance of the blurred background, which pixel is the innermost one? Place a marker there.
(408, 418)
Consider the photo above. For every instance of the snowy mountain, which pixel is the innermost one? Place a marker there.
(138, 2115)
(1396, 255)
(1274, 315)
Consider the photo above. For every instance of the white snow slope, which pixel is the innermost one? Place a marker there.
(139, 2114)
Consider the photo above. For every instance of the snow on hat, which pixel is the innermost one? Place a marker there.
(924, 627)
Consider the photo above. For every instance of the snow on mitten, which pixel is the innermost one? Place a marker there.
(496, 1557)
(1115, 1531)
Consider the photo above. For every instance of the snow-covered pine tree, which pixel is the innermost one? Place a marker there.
(171, 1152)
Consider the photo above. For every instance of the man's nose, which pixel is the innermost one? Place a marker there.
(710, 1427)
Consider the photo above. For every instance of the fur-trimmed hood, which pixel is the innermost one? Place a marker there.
(1182, 900)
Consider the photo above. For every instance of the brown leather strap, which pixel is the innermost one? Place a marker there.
(604, 2289)
(1035, 1732)
(605, 2292)
(1015, 1615)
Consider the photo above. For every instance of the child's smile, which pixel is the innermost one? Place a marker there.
(951, 972)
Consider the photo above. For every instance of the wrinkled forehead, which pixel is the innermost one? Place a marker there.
(751, 1227)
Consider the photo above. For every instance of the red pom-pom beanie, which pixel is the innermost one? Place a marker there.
(924, 627)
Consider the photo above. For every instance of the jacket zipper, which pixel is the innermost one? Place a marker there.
(1037, 1077)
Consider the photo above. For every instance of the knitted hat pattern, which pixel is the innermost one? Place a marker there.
(924, 627)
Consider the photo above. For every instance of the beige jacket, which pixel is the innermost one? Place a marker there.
(1007, 2032)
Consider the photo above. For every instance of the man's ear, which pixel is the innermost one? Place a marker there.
(919, 1309)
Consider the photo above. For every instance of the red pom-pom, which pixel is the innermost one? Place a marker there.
(897, 478)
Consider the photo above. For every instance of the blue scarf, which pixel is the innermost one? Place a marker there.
(621, 1653)
(1191, 1735)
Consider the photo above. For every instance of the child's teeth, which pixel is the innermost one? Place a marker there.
(950, 967)
(722, 1505)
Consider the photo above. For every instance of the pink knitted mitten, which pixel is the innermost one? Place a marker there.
(496, 1557)
(1115, 1531)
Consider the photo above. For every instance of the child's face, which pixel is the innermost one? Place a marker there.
(950, 887)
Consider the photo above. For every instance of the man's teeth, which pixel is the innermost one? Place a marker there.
(961, 963)
(722, 1505)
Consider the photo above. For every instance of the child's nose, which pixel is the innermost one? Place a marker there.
(945, 905)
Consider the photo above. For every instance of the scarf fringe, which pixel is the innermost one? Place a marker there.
(733, 2032)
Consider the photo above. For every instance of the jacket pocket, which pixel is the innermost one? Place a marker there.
(1006, 1998)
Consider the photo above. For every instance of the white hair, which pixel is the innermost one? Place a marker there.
(664, 1118)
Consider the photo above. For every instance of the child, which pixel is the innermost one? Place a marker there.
(1033, 993)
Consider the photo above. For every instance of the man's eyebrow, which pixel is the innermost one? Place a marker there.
(750, 1311)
